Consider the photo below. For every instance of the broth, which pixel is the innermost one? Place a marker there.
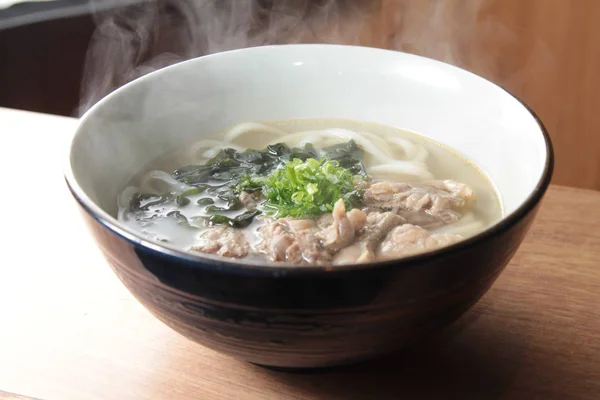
(401, 194)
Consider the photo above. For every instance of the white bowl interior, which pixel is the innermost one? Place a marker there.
(168, 108)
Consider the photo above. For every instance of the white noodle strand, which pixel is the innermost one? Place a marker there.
(247, 127)
(159, 181)
(312, 139)
(380, 142)
(292, 139)
(405, 168)
(209, 144)
(413, 151)
(124, 199)
(362, 141)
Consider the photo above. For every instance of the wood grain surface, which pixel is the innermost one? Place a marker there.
(70, 330)
(12, 396)
(544, 51)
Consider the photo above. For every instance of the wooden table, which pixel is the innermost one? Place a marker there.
(70, 330)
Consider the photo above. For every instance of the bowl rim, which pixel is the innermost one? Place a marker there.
(214, 262)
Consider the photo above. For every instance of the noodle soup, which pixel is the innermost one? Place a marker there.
(310, 192)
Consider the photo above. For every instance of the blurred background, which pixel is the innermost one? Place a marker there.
(61, 56)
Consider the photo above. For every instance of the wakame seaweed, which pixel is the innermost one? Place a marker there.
(233, 204)
(143, 201)
(232, 172)
(230, 165)
(348, 155)
(241, 221)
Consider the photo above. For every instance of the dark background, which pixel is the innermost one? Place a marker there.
(43, 45)
(42, 52)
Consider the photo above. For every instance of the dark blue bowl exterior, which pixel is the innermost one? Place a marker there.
(310, 319)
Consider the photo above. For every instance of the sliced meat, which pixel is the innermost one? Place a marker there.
(357, 219)
(456, 188)
(275, 240)
(325, 220)
(427, 204)
(377, 226)
(409, 239)
(292, 240)
(343, 228)
(429, 220)
(310, 241)
(223, 241)
(251, 200)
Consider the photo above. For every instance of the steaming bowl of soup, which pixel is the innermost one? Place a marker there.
(307, 206)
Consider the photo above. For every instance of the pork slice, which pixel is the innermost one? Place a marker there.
(223, 241)
(430, 220)
(409, 239)
(377, 225)
(343, 228)
(432, 196)
(422, 218)
(428, 204)
(310, 241)
(291, 240)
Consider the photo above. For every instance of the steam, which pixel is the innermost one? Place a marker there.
(135, 37)
(138, 37)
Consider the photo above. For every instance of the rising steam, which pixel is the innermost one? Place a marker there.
(135, 37)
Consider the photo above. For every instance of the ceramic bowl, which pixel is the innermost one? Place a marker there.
(311, 316)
